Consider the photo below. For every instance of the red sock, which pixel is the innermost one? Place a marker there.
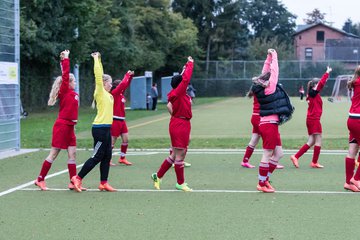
(103, 182)
(44, 170)
(316, 154)
(263, 173)
(179, 170)
(249, 151)
(349, 169)
(123, 149)
(168, 162)
(71, 168)
(302, 150)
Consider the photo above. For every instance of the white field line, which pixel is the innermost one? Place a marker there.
(199, 191)
(32, 182)
(157, 151)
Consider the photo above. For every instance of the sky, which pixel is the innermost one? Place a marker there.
(337, 11)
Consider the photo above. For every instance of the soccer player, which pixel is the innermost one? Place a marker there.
(255, 136)
(271, 99)
(313, 123)
(179, 128)
(100, 129)
(63, 133)
(352, 181)
(119, 127)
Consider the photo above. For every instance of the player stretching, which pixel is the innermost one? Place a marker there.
(313, 123)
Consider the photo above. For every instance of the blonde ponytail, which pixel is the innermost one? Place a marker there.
(54, 91)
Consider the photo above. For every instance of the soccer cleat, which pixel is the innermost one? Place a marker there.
(77, 183)
(247, 165)
(112, 164)
(264, 189)
(294, 161)
(351, 187)
(316, 165)
(268, 185)
(183, 187)
(355, 182)
(279, 166)
(41, 185)
(71, 187)
(125, 162)
(186, 164)
(106, 187)
(156, 180)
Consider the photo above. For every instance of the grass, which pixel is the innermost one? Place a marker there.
(216, 123)
(309, 203)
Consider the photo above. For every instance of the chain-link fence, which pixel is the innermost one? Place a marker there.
(233, 78)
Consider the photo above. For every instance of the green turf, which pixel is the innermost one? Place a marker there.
(178, 215)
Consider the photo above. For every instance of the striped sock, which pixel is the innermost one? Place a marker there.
(263, 173)
(71, 164)
(248, 153)
(179, 170)
(165, 166)
(44, 169)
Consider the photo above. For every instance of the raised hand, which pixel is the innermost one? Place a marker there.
(190, 59)
(328, 69)
(96, 55)
(130, 72)
(64, 54)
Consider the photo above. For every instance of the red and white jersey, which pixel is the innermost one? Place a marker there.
(69, 99)
(119, 98)
(181, 102)
(315, 103)
(355, 100)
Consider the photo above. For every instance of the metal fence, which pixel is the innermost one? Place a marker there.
(233, 78)
(9, 82)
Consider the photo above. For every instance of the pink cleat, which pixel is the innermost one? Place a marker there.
(106, 187)
(71, 187)
(125, 162)
(247, 165)
(77, 183)
(351, 187)
(316, 165)
(279, 166)
(268, 185)
(41, 185)
(294, 161)
(264, 189)
(356, 183)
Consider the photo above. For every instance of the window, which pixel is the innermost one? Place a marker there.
(320, 36)
(308, 53)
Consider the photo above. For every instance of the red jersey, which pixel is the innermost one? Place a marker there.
(256, 106)
(69, 99)
(355, 100)
(119, 98)
(314, 99)
(180, 101)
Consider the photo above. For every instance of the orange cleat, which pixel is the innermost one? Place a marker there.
(71, 187)
(106, 187)
(351, 187)
(264, 189)
(41, 185)
(268, 185)
(76, 183)
(316, 165)
(112, 164)
(279, 166)
(355, 182)
(125, 161)
(294, 161)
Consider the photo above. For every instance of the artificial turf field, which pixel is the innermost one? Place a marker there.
(309, 203)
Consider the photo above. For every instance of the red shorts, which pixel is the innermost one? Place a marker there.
(270, 135)
(255, 120)
(63, 135)
(179, 130)
(118, 127)
(313, 126)
(353, 125)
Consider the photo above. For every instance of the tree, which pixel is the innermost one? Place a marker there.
(315, 17)
(270, 18)
(351, 28)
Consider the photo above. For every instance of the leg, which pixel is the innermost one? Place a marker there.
(317, 149)
(124, 146)
(180, 154)
(249, 150)
(71, 161)
(40, 181)
(302, 150)
(113, 141)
